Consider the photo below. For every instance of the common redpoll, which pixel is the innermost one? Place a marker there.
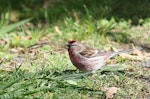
(86, 58)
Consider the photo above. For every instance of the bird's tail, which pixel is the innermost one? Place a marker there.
(120, 52)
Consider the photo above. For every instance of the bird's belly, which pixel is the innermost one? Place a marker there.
(89, 65)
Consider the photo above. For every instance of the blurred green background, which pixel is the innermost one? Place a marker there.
(50, 11)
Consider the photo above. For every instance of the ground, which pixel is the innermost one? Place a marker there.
(34, 61)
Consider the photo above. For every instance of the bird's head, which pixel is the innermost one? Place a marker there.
(71, 43)
(74, 45)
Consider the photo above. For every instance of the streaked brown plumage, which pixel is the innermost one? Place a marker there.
(86, 58)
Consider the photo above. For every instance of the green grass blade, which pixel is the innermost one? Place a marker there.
(10, 83)
(13, 26)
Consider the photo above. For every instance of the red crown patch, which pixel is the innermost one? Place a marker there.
(72, 41)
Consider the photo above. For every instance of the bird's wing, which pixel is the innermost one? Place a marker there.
(88, 52)
(91, 52)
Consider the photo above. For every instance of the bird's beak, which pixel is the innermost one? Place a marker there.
(68, 45)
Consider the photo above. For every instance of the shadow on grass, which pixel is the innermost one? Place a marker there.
(120, 37)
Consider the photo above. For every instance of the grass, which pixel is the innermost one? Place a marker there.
(35, 64)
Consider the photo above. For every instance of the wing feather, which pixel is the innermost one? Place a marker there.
(91, 52)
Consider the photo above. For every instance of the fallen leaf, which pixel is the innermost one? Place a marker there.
(45, 38)
(16, 50)
(4, 41)
(146, 54)
(137, 54)
(110, 92)
(26, 38)
(17, 61)
(113, 49)
(136, 51)
(7, 67)
(132, 57)
(131, 69)
(146, 63)
(57, 30)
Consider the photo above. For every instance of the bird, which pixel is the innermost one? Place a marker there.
(88, 59)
